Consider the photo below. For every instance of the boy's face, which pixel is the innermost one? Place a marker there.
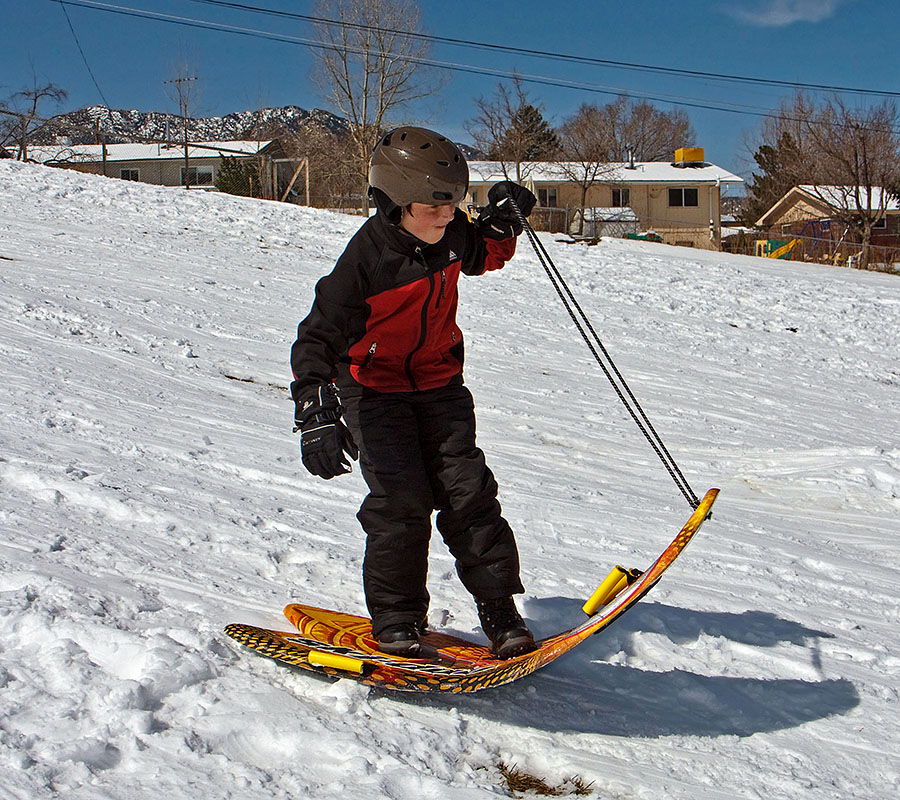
(427, 222)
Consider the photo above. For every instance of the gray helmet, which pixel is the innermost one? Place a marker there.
(415, 165)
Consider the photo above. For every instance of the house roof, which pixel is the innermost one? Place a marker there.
(830, 198)
(845, 197)
(87, 153)
(643, 172)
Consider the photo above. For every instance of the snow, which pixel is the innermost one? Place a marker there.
(641, 172)
(141, 152)
(152, 493)
(846, 197)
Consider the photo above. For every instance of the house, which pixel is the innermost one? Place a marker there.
(680, 201)
(816, 224)
(166, 164)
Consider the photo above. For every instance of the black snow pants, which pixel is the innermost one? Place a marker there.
(418, 454)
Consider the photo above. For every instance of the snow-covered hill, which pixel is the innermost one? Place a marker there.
(152, 493)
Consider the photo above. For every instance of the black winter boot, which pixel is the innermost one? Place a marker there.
(401, 639)
(507, 630)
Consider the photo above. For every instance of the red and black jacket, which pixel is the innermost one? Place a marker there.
(385, 317)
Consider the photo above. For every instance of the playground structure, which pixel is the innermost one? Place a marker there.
(827, 242)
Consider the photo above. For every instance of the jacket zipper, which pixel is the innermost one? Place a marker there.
(424, 319)
(437, 305)
(370, 356)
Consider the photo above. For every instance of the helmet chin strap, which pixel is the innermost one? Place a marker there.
(385, 205)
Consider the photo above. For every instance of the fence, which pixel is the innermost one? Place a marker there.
(565, 220)
(553, 220)
(618, 223)
(837, 250)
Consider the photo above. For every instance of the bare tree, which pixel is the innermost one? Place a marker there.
(586, 147)
(642, 131)
(21, 123)
(859, 164)
(333, 173)
(512, 130)
(787, 156)
(369, 67)
(651, 134)
(850, 159)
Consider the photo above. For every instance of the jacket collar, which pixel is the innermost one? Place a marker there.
(402, 241)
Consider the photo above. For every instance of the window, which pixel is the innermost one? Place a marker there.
(880, 224)
(684, 197)
(198, 176)
(621, 198)
(129, 174)
(547, 197)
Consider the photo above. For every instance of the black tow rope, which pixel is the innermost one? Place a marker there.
(606, 363)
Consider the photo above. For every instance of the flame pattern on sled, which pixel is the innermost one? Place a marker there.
(453, 664)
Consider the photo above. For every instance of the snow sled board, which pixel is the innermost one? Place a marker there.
(340, 644)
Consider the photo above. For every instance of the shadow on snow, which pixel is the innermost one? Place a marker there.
(582, 693)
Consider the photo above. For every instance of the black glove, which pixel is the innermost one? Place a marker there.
(325, 442)
(498, 220)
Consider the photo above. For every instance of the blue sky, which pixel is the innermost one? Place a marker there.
(849, 43)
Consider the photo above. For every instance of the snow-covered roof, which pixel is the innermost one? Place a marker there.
(611, 214)
(141, 151)
(642, 172)
(845, 196)
(838, 197)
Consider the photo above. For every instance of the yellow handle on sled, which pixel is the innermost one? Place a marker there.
(612, 584)
(345, 663)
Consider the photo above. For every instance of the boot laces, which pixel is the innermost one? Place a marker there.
(498, 616)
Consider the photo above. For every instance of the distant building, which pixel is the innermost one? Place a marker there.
(818, 221)
(164, 164)
(679, 201)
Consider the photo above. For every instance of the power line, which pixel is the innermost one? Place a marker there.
(83, 56)
(567, 57)
(689, 102)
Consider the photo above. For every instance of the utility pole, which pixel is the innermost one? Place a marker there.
(183, 97)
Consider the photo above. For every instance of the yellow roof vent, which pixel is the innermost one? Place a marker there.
(688, 155)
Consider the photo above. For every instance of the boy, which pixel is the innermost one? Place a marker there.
(377, 370)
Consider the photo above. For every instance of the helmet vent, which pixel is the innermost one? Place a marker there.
(416, 165)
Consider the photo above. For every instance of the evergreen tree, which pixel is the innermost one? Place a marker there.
(782, 167)
(510, 129)
(529, 136)
(238, 177)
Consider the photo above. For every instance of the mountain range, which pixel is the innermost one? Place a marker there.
(85, 125)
